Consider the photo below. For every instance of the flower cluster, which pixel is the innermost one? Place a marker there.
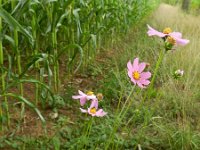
(170, 38)
(94, 99)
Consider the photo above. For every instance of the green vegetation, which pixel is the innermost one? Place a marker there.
(51, 49)
(193, 6)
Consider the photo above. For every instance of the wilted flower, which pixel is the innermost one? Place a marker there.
(170, 38)
(99, 96)
(84, 97)
(178, 74)
(93, 110)
(136, 74)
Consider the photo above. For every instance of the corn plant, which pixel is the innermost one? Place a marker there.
(36, 36)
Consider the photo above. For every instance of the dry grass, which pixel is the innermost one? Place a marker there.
(183, 93)
(186, 58)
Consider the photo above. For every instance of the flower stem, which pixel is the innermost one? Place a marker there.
(119, 118)
(155, 72)
(87, 132)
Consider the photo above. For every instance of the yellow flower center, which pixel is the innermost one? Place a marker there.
(93, 110)
(171, 40)
(89, 93)
(167, 31)
(136, 75)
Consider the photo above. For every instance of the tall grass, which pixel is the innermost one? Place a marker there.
(168, 120)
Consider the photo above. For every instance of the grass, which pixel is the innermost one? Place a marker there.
(168, 119)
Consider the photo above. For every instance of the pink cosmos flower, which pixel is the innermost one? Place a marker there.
(167, 32)
(136, 74)
(84, 97)
(93, 110)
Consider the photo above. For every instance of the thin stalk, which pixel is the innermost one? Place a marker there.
(3, 80)
(56, 65)
(119, 118)
(13, 3)
(19, 70)
(155, 72)
(35, 52)
(88, 129)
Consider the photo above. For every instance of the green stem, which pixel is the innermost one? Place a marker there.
(87, 133)
(56, 65)
(19, 70)
(3, 80)
(119, 118)
(155, 72)
(35, 52)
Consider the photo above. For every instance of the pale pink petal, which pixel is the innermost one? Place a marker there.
(130, 73)
(135, 64)
(94, 103)
(133, 80)
(181, 41)
(145, 82)
(76, 96)
(81, 93)
(131, 77)
(140, 85)
(145, 75)
(83, 110)
(91, 97)
(152, 32)
(83, 101)
(100, 113)
(129, 66)
(141, 67)
(176, 34)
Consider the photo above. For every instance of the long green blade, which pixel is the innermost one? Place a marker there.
(19, 97)
(14, 24)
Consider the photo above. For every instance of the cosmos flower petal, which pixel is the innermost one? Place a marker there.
(181, 41)
(135, 64)
(145, 75)
(129, 66)
(83, 110)
(100, 113)
(83, 101)
(82, 97)
(94, 103)
(145, 82)
(133, 80)
(140, 85)
(141, 67)
(91, 97)
(76, 96)
(130, 73)
(176, 34)
(152, 32)
(81, 93)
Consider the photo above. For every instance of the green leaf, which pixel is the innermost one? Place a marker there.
(15, 24)
(80, 50)
(19, 97)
